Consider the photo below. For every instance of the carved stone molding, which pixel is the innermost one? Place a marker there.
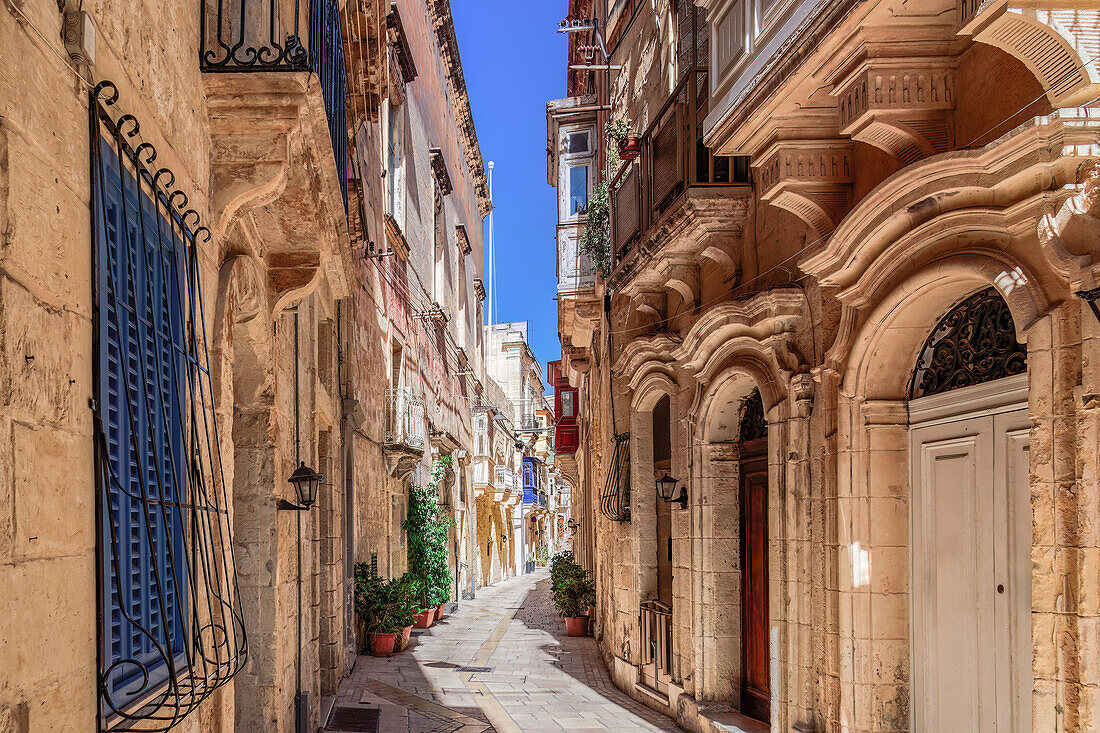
(275, 178)
(991, 193)
(902, 106)
(809, 178)
(758, 331)
(704, 221)
(1057, 41)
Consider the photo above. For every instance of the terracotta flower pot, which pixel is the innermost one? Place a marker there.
(382, 644)
(402, 640)
(629, 147)
(576, 625)
(439, 611)
(425, 619)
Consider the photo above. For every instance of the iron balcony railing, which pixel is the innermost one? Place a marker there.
(656, 622)
(404, 419)
(673, 159)
(267, 35)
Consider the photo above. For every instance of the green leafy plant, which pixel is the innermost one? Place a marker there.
(571, 586)
(542, 555)
(385, 606)
(428, 530)
(595, 240)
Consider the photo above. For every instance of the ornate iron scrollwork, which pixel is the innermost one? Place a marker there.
(753, 423)
(171, 629)
(974, 343)
(615, 500)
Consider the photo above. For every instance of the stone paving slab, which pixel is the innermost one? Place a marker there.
(539, 681)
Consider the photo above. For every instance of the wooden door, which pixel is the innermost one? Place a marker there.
(756, 681)
(971, 575)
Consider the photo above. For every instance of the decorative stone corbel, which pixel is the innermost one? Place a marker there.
(809, 178)
(651, 303)
(684, 279)
(802, 390)
(903, 106)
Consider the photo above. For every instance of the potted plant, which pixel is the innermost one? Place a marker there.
(428, 529)
(573, 591)
(628, 146)
(377, 614)
(404, 595)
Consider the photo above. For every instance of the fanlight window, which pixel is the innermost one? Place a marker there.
(753, 423)
(974, 343)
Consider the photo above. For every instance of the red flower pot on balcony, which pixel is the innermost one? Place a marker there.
(629, 147)
(425, 619)
(576, 625)
(382, 644)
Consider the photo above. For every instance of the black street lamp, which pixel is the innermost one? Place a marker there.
(666, 487)
(305, 481)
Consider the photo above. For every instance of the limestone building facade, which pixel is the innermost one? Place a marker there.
(845, 307)
(197, 306)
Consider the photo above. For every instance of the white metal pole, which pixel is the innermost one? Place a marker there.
(492, 252)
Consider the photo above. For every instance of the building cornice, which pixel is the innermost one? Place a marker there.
(448, 49)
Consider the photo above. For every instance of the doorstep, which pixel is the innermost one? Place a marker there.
(731, 722)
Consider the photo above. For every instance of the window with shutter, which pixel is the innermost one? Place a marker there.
(141, 371)
(171, 630)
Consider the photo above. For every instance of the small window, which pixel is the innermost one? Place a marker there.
(567, 403)
(578, 190)
(576, 142)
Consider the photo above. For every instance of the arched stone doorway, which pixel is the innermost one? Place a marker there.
(916, 515)
(738, 500)
(752, 456)
(652, 529)
(970, 522)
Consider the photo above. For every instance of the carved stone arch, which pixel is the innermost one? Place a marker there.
(1057, 41)
(653, 385)
(1005, 186)
(915, 302)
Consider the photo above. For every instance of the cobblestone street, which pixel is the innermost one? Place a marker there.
(501, 663)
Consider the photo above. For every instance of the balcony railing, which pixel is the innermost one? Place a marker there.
(404, 419)
(266, 35)
(656, 622)
(673, 160)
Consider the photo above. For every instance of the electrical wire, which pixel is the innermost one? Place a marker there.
(67, 62)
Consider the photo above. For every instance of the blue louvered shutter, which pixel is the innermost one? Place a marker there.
(142, 362)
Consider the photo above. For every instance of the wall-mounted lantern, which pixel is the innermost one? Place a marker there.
(305, 482)
(666, 487)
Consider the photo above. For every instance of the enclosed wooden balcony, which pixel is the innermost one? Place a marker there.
(674, 177)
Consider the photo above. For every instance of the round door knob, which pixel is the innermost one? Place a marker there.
(1000, 588)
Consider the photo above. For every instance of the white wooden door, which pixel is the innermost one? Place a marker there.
(971, 571)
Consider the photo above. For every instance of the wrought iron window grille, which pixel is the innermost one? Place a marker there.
(974, 343)
(615, 500)
(171, 629)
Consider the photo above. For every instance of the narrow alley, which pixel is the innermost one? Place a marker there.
(501, 663)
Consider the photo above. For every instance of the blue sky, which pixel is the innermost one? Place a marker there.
(514, 62)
